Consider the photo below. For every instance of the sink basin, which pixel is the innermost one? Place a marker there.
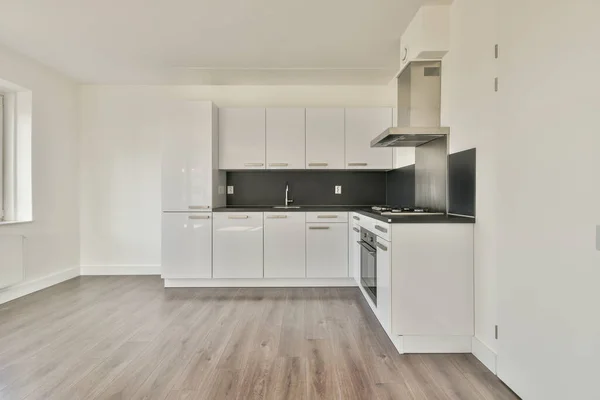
(284, 207)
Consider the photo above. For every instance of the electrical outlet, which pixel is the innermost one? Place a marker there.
(338, 190)
(229, 189)
(221, 190)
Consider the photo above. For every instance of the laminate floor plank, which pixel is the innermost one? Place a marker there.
(129, 338)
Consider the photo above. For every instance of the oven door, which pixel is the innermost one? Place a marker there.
(368, 270)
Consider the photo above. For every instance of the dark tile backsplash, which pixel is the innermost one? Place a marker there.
(307, 188)
(401, 186)
(461, 182)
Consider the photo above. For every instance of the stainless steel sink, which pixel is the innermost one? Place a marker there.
(284, 207)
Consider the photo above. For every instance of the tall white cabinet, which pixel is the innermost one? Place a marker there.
(325, 138)
(362, 125)
(191, 186)
(286, 133)
(243, 138)
(191, 179)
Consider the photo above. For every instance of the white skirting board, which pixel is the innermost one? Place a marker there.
(120, 270)
(25, 288)
(300, 282)
(484, 354)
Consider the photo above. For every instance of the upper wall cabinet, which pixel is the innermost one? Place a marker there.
(242, 138)
(325, 138)
(189, 158)
(362, 125)
(427, 36)
(286, 138)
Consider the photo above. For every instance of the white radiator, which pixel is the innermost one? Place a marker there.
(11, 259)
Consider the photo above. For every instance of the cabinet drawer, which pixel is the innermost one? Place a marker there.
(327, 217)
(382, 230)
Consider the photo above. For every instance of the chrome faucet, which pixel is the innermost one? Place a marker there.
(287, 199)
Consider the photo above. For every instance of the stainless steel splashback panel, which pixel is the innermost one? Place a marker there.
(431, 174)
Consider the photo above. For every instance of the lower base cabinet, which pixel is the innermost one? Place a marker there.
(186, 245)
(285, 245)
(238, 245)
(354, 252)
(326, 250)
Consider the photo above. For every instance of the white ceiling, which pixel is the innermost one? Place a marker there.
(211, 41)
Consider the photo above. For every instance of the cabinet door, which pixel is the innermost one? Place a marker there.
(238, 245)
(186, 245)
(187, 158)
(286, 138)
(325, 138)
(354, 253)
(384, 292)
(362, 125)
(326, 250)
(242, 138)
(285, 245)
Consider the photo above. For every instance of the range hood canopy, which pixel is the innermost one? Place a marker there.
(419, 103)
(409, 137)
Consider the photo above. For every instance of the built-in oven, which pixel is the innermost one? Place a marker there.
(368, 263)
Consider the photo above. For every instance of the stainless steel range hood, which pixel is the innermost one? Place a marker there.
(419, 101)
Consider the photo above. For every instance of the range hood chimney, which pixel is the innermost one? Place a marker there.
(419, 101)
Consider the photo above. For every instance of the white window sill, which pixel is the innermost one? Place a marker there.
(15, 222)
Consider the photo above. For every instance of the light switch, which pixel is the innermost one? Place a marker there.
(598, 237)
(338, 190)
(229, 189)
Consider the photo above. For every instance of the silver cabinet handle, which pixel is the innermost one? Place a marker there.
(198, 207)
(256, 164)
(356, 218)
(238, 217)
(355, 229)
(382, 247)
(199, 217)
(327, 216)
(276, 216)
(357, 164)
(380, 229)
(318, 227)
(318, 164)
(283, 164)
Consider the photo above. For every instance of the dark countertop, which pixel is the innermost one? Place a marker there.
(272, 209)
(419, 219)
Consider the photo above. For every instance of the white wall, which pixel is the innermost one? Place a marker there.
(549, 198)
(538, 151)
(120, 159)
(469, 107)
(51, 241)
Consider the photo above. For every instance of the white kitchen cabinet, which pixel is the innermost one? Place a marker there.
(238, 245)
(327, 216)
(354, 252)
(186, 245)
(384, 287)
(362, 126)
(286, 138)
(325, 138)
(326, 250)
(190, 177)
(285, 245)
(432, 279)
(242, 138)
